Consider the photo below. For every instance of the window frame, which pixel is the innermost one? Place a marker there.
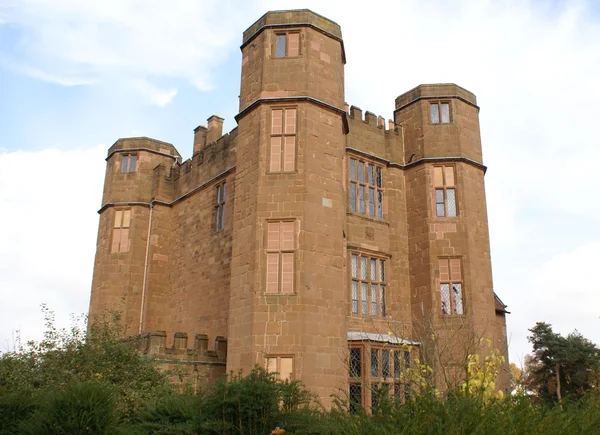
(127, 161)
(374, 303)
(451, 279)
(399, 360)
(355, 204)
(438, 105)
(281, 251)
(444, 187)
(277, 358)
(124, 243)
(283, 136)
(220, 200)
(287, 46)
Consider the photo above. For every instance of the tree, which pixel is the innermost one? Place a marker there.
(560, 367)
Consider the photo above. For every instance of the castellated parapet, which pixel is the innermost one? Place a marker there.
(312, 236)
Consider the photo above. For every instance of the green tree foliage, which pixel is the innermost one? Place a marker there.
(574, 358)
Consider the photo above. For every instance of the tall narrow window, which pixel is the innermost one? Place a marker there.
(445, 191)
(283, 140)
(451, 290)
(280, 257)
(120, 240)
(281, 366)
(366, 188)
(440, 113)
(367, 287)
(220, 207)
(128, 163)
(287, 44)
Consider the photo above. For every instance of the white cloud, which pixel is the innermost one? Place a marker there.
(49, 201)
(124, 40)
(154, 94)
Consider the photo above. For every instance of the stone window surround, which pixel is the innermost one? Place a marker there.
(438, 105)
(450, 203)
(129, 163)
(289, 160)
(281, 251)
(279, 360)
(356, 183)
(452, 278)
(382, 286)
(397, 354)
(220, 199)
(291, 39)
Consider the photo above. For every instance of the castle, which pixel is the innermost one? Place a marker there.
(320, 243)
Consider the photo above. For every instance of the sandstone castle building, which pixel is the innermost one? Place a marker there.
(324, 244)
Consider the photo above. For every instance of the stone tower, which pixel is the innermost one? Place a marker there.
(325, 245)
(287, 263)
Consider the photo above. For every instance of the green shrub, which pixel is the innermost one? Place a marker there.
(81, 408)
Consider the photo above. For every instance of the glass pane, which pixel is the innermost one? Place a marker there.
(397, 392)
(363, 267)
(407, 359)
(352, 169)
(280, 46)
(361, 172)
(355, 297)
(371, 202)
(380, 204)
(218, 194)
(132, 161)
(445, 113)
(457, 295)
(375, 396)
(382, 270)
(223, 199)
(382, 301)
(439, 210)
(217, 218)
(435, 115)
(439, 196)
(126, 218)
(374, 363)
(363, 298)
(352, 196)
(124, 163)
(355, 398)
(371, 175)
(286, 370)
(385, 363)
(361, 198)
(396, 364)
(445, 297)
(450, 197)
(373, 269)
(373, 299)
(355, 362)
(354, 266)
(222, 216)
(379, 177)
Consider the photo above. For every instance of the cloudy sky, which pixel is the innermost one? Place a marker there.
(75, 76)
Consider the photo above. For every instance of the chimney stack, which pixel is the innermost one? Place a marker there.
(199, 138)
(215, 129)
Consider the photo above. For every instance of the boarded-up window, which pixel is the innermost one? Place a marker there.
(281, 244)
(282, 155)
(451, 288)
(444, 191)
(281, 366)
(120, 240)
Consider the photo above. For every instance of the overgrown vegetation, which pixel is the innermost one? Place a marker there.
(73, 383)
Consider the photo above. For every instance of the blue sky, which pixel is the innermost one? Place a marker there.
(75, 76)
